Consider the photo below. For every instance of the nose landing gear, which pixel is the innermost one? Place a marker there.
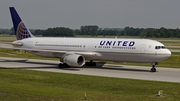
(153, 69)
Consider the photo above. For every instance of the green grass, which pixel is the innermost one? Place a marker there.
(164, 38)
(174, 48)
(21, 54)
(173, 61)
(27, 85)
(7, 38)
(166, 43)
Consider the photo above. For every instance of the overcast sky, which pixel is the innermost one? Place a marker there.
(43, 14)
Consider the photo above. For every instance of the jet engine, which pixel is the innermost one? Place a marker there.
(74, 60)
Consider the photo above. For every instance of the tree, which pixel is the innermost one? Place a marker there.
(12, 31)
(59, 31)
(77, 32)
(38, 32)
(89, 30)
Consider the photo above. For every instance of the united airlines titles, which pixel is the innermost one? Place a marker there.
(117, 43)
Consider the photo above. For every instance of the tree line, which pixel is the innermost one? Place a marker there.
(94, 30)
(151, 32)
(5, 31)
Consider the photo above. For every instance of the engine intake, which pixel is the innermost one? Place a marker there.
(74, 60)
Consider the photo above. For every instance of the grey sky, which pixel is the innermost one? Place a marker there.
(42, 14)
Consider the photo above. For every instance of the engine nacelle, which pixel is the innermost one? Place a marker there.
(74, 60)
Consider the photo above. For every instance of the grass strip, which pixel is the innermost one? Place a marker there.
(27, 85)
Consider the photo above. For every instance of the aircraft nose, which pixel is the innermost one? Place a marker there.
(168, 53)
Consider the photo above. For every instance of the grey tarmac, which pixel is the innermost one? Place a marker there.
(107, 70)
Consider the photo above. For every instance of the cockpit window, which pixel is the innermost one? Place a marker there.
(160, 47)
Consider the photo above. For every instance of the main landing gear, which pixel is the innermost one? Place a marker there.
(63, 65)
(153, 69)
(91, 63)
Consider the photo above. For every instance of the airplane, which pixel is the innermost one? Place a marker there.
(74, 51)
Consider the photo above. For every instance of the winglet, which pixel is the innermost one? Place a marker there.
(21, 31)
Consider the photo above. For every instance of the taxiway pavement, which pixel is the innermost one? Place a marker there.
(107, 70)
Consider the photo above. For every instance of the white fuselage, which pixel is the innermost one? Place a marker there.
(120, 50)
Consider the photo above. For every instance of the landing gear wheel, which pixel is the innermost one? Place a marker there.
(60, 65)
(153, 69)
(64, 65)
(94, 64)
(91, 63)
(87, 63)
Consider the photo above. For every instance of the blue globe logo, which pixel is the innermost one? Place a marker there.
(22, 31)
